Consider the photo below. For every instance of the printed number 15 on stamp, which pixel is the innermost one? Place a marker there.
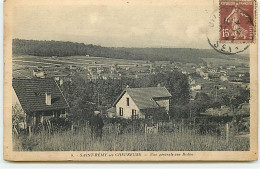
(237, 21)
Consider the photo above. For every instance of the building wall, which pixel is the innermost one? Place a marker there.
(127, 110)
(164, 103)
(19, 116)
(40, 117)
(50, 114)
(15, 99)
(111, 114)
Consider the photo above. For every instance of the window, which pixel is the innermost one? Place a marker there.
(48, 98)
(121, 111)
(127, 101)
(133, 113)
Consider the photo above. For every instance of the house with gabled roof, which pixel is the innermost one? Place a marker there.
(141, 102)
(39, 99)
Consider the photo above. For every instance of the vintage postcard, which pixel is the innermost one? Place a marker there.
(130, 80)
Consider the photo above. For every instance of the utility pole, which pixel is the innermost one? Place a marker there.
(98, 100)
(216, 95)
(190, 112)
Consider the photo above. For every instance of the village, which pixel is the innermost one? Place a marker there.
(39, 85)
(203, 77)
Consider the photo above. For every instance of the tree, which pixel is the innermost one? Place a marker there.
(59, 48)
(79, 96)
(178, 85)
(246, 78)
(18, 115)
(201, 103)
(202, 97)
(234, 101)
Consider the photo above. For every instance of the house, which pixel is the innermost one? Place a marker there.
(39, 74)
(206, 76)
(223, 78)
(195, 87)
(223, 110)
(192, 81)
(73, 67)
(241, 75)
(111, 112)
(39, 99)
(202, 72)
(222, 87)
(142, 102)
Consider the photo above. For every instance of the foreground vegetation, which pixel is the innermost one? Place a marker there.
(80, 140)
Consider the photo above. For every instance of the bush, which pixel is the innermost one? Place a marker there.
(29, 143)
(60, 124)
(243, 127)
(18, 114)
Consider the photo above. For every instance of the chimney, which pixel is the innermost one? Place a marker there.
(34, 73)
(48, 98)
(61, 82)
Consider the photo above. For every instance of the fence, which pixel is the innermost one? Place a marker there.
(223, 127)
(194, 126)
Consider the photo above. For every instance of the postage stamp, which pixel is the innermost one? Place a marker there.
(227, 47)
(237, 21)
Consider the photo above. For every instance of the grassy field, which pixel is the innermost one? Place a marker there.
(219, 62)
(186, 140)
(72, 60)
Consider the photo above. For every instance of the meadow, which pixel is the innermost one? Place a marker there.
(184, 140)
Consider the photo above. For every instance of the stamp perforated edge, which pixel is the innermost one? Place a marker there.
(255, 25)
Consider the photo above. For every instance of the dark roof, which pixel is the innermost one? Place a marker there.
(144, 97)
(31, 94)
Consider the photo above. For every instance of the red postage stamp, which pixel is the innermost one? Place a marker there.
(237, 21)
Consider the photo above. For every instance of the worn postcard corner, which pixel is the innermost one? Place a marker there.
(130, 80)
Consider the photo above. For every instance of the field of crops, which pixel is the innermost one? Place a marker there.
(72, 60)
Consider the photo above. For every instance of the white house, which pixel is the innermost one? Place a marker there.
(141, 102)
(195, 87)
(223, 78)
(38, 73)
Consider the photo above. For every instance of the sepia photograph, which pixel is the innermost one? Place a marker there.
(130, 80)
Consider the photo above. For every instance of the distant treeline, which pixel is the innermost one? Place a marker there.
(60, 49)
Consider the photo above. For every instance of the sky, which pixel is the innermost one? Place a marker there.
(115, 25)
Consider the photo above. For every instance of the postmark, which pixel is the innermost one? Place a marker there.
(237, 21)
(228, 48)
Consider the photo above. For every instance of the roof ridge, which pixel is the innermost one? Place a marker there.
(34, 78)
(145, 87)
(61, 93)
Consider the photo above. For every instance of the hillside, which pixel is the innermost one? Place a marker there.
(60, 48)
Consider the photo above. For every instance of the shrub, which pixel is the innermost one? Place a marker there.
(18, 114)
(60, 124)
